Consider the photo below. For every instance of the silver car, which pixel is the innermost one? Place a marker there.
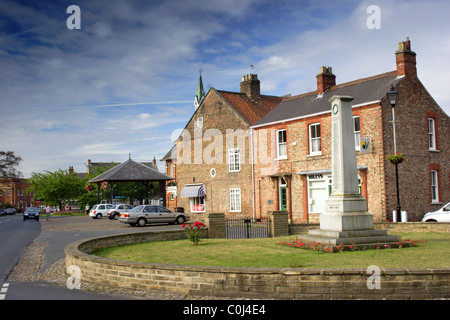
(117, 209)
(141, 215)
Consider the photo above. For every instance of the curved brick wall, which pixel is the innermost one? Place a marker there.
(258, 283)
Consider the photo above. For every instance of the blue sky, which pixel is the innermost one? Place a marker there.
(126, 81)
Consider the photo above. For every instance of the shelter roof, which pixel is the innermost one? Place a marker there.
(129, 171)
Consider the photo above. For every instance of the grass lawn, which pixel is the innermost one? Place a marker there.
(267, 253)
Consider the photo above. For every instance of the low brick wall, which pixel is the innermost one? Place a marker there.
(393, 227)
(401, 227)
(260, 283)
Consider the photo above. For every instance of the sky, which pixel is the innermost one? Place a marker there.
(125, 82)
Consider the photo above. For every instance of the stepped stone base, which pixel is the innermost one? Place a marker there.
(357, 238)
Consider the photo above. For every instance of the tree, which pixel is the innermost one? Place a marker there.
(8, 164)
(56, 187)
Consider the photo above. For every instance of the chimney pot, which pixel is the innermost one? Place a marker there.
(250, 85)
(325, 79)
(405, 59)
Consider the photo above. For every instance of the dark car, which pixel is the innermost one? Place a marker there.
(31, 213)
(2, 212)
(11, 211)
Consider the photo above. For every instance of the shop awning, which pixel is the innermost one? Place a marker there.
(193, 191)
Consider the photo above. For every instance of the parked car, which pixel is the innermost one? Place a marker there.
(440, 215)
(2, 212)
(141, 215)
(31, 213)
(100, 210)
(11, 211)
(117, 209)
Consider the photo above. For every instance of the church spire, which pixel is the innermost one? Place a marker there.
(200, 94)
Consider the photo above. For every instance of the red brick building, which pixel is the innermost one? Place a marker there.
(298, 179)
(247, 153)
(13, 191)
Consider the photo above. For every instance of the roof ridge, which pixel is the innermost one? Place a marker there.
(348, 83)
(243, 93)
(344, 84)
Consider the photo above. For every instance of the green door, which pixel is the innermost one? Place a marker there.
(283, 199)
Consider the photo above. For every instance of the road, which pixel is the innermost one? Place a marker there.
(15, 236)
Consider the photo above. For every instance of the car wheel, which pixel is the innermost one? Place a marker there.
(431, 220)
(180, 220)
(141, 222)
(116, 216)
(98, 216)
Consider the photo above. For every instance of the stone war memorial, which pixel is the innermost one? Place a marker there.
(346, 219)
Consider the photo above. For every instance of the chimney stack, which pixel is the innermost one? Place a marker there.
(405, 59)
(251, 86)
(325, 79)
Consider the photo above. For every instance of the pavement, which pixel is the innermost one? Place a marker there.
(44, 258)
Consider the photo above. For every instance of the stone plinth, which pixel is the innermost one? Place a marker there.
(216, 225)
(279, 223)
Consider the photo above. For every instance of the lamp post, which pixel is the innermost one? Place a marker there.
(392, 96)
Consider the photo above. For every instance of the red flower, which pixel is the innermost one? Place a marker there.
(183, 225)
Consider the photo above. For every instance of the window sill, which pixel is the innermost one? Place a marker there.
(314, 154)
(281, 158)
(434, 150)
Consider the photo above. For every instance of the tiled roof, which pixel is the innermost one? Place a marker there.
(131, 171)
(251, 110)
(362, 90)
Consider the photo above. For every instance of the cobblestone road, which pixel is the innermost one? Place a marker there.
(31, 265)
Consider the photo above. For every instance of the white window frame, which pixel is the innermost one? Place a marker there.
(311, 139)
(434, 184)
(235, 200)
(234, 160)
(195, 201)
(431, 134)
(357, 133)
(279, 144)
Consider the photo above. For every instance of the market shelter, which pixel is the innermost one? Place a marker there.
(132, 171)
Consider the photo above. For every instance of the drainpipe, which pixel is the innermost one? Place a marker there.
(253, 172)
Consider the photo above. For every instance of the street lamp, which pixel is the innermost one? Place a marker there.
(392, 96)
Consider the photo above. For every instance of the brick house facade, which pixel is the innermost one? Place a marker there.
(300, 181)
(13, 191)
(283, 148)
(211, 159)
